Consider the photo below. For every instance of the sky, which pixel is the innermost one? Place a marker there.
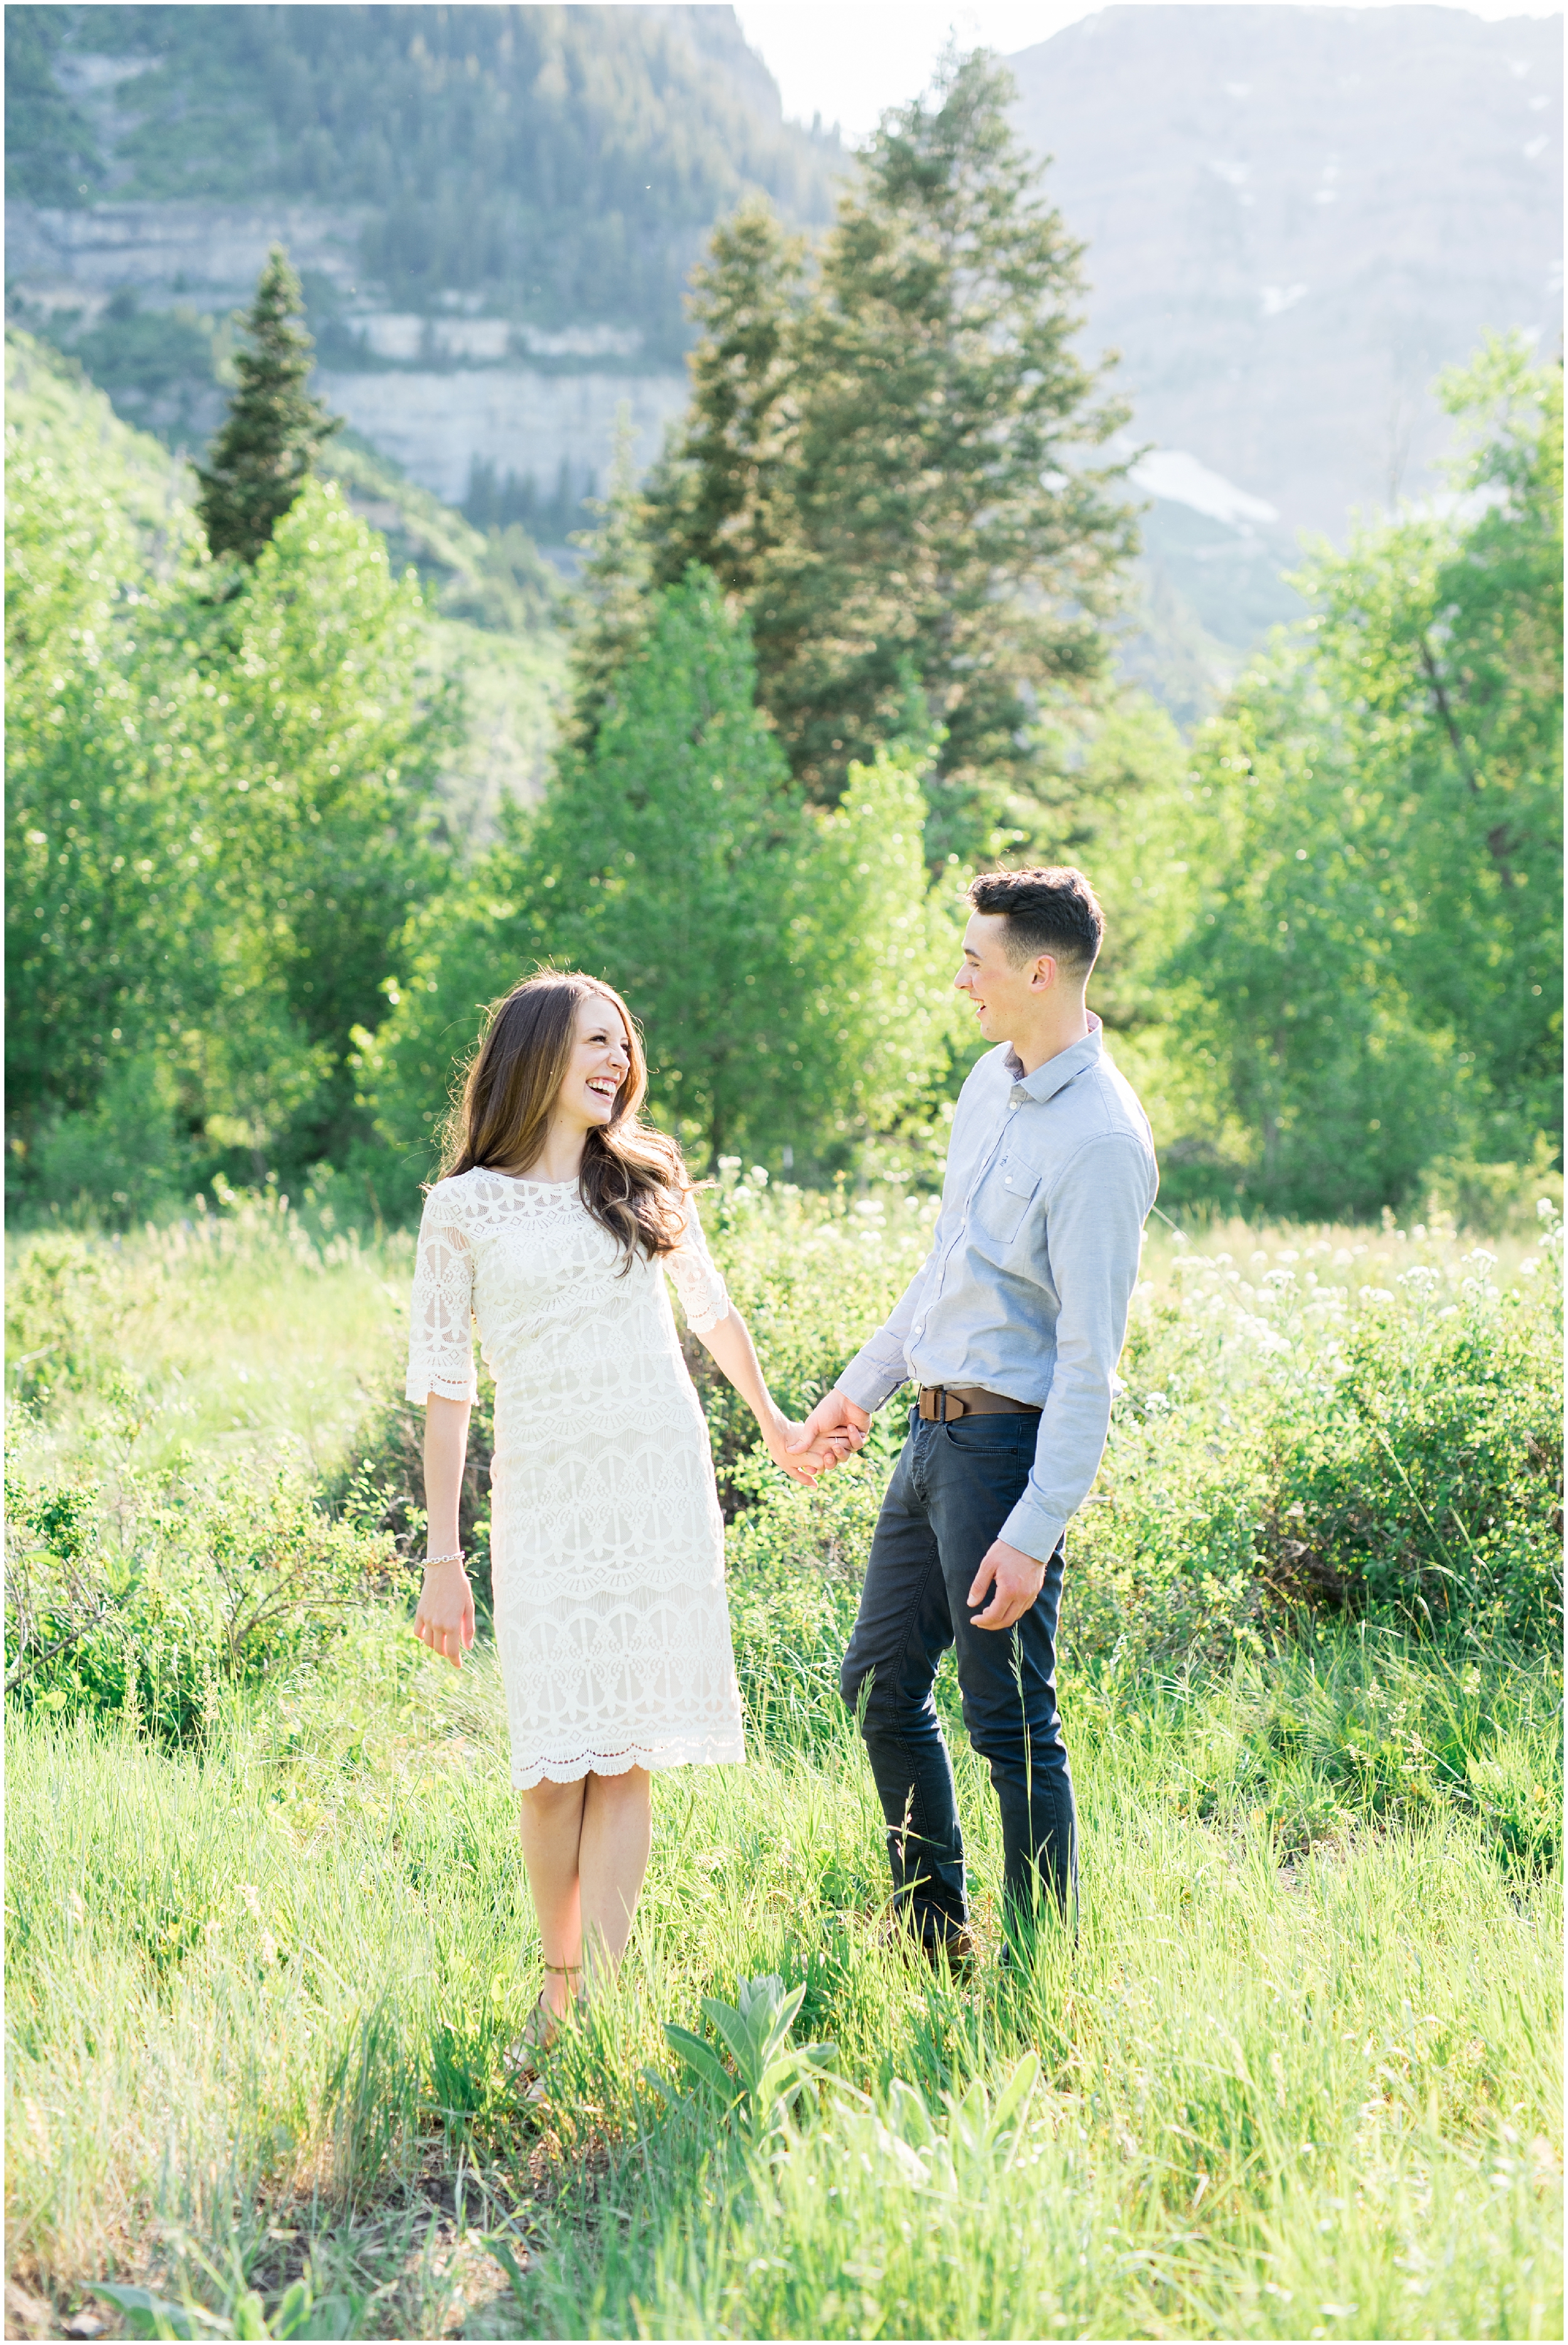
(849, 61)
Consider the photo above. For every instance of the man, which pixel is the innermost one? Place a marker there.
(1011, 1331)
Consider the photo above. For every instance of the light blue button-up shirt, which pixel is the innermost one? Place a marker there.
(1050, 1178)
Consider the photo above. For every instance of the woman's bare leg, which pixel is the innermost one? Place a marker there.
(612, 1856)
(586, 1850)
(550, 1826)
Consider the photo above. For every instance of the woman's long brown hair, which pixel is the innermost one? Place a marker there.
(632, 1177)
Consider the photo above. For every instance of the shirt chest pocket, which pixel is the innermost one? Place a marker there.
(1004, 1197)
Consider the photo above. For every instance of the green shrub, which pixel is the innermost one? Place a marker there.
(1430, 1484)
(145, 1594)
(1299, 1437)
(381, 1488)
(1495, 1200)
(64, 1309)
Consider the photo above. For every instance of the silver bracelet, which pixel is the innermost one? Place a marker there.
(431, 1560)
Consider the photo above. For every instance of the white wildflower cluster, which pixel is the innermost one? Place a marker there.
(1282, 1315)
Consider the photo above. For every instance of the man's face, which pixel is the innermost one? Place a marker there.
(1006, 994)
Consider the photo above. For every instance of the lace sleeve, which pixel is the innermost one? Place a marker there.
(441, 1315)
(697, 1283)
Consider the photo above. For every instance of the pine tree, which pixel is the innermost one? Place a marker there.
(711, 500)
(616, 576)
(946, 520)
(262, 456)
(895, 468)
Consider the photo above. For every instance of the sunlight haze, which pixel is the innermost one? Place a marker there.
(848, 64)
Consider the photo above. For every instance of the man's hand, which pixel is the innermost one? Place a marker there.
(444, 1620)
(1018, 1579)
(836, 1415)
(802, 1459)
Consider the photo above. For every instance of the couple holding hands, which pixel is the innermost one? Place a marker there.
(556, 1214)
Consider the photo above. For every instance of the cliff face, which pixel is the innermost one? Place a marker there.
(540, 406)
(495, 210)
(542, 429)
(1295, 216)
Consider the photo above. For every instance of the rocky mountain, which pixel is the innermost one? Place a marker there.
(1295, 217)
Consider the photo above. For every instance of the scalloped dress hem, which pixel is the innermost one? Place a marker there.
(656, 1756)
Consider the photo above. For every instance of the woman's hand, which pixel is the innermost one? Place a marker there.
(444, 1620)
(820, 1457)
(820, 1447)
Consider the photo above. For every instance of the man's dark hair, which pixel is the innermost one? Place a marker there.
(1052, 909)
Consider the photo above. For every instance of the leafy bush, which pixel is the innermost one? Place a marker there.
(63, 1304)
(144, 1594)
(1293, 1436)
(381, 1488)
(1288, 1440)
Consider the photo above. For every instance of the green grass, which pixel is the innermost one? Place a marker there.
(226, 1333)
(1300, 2077)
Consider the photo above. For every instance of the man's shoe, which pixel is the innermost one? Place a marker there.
(934, 1936)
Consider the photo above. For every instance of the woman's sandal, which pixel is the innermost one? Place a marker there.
(538, 2034)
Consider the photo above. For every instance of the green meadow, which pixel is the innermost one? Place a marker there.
(269, 1942)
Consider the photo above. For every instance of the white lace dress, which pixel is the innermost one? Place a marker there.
(606, 1542)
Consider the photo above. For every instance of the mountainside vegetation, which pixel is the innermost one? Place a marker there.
(563, 164)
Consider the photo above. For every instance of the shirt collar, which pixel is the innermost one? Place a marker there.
(1050, 1078)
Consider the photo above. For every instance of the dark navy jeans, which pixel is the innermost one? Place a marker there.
(953, 1487)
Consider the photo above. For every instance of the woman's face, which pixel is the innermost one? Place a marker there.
(600, 1062)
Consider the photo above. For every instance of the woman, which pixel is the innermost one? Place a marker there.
(557, 1213)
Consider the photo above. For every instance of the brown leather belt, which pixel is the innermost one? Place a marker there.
(943, 1404)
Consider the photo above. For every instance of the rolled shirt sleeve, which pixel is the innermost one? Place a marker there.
(1094, 1220)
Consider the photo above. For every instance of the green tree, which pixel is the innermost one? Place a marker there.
(326, 739)
(110, 857)
(1442, 644)
(788, 963)
(262, 456)
(219, 818)
(612, 615)
(896, 467)
(1373, 828)
(716, 497)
